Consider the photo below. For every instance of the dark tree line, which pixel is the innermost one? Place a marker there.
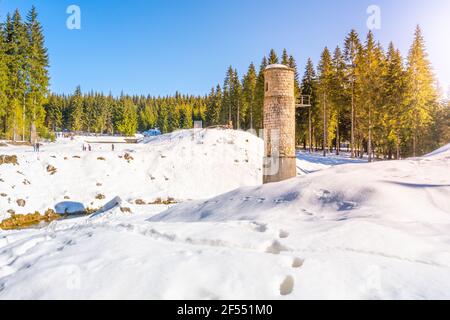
(106, 114)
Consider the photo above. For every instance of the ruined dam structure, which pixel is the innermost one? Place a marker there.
(279, 124)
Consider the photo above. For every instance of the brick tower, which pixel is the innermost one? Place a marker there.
(279, 124)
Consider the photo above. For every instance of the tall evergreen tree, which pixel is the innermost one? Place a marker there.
(214, 106)
(231, 103)
(16, 50)
(127, 120)
(395, 83)
(371, 72)
(76, 111)
(38, 77)
(293, 65)
(285, 58)
(352, 48)
(421, 91)
(325, 76)
(273, 57)
(249, 95)
(309, 88)
(259, 96)
(338, 93)
(3, 86)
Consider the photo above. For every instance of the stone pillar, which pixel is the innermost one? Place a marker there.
(279, 124)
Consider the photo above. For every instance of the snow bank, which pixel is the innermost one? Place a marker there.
(183, 165)
(444, 151)
(415, 190)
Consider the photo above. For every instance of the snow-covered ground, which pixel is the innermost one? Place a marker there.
(183, 165)
(344, 229)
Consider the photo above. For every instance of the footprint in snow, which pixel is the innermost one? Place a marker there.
(297, 263)
(283, 234)
(276, 248)
(287, 286)
(259, 227)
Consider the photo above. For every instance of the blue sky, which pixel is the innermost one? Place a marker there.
(160, 46)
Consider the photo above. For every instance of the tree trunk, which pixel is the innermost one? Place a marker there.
(33, 133)
(310, 131)
(369, 142)
(324, 126)
(23, 119)
(238, 120)
(251, 116)
(338, 137)
(352, 146)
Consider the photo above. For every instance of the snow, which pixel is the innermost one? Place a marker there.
(183, 165)
(344, 229)
(444, 151)
(277, 66)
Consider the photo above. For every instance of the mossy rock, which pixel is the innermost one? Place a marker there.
(140, 202)
(167, 201)
(51, 169)
(9, 160)
(22, 221)
(125, 210)
(21, 203)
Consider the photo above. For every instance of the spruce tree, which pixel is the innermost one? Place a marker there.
(238, 109)
(421, 91)
(352, 48)
(249, 94)
(38, 77)
(53, 111)
(16, 50)
(163, 118)
(214, 106)
(127, 120)
(371, 70)
(293, 65)
(231, 104)
(258, 111)
(394, 110)
(227, 99)
(273, 58)
(285, 58)
(325, 75)
(309, 88)
(3, 86)
(76, 111)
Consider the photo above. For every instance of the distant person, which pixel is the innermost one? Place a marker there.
(84, 147)
(112, 147)
(89, 147)
(38, 145)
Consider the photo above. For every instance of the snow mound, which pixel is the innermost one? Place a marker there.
(184, 165)
(444, 152)
(412, 190)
